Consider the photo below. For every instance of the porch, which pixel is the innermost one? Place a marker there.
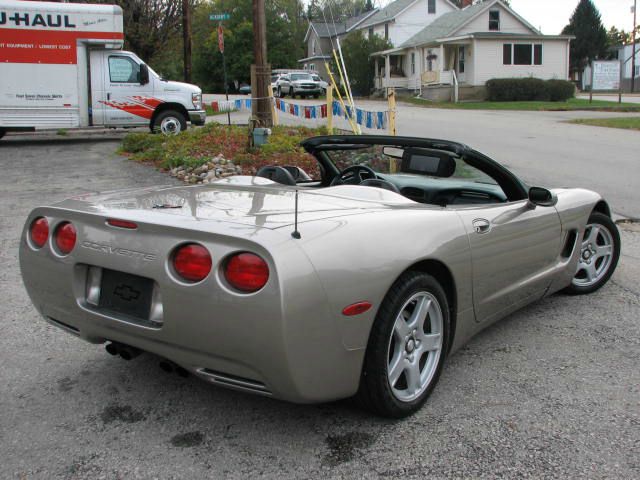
(417, 68)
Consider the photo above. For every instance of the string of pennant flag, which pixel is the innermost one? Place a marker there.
(368, 119)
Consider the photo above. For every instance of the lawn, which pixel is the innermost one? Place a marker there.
(629, 123)
(571, 104)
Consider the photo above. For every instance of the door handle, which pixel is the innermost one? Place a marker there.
(482, 225)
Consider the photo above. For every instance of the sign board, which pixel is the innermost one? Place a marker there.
(606, 75)
(219, 16)
(220, 39)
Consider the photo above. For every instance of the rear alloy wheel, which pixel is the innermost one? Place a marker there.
(407, 347)
(169, 122)
(599, 254)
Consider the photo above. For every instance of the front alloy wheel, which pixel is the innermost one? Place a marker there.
(599, 254)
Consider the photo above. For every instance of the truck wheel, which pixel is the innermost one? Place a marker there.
(169, 122)
(279, 93)
(2, 132)
(292, 92)
(407, 347)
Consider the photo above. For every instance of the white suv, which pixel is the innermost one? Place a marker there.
(294, 83)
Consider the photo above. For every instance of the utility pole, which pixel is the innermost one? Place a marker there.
(261, 70)
(633, 50)
(186, 37)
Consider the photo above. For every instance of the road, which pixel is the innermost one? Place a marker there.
(553, 391)
(540, 147)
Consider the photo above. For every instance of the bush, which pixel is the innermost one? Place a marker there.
(528, 89)
(561, 90)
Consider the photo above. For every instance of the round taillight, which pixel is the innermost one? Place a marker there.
(192, 262)
(246, 272)
(39, 232)
(65, 237)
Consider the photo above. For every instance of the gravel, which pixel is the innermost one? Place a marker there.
(550, 392)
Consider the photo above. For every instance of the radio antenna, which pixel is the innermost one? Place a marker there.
(296, 234)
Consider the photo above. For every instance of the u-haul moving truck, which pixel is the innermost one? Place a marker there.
(61, 66)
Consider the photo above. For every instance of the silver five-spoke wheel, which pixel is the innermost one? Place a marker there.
(599, 254)
(415, 346)
(407, 346)
(595, 255)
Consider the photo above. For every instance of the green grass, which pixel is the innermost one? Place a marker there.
(571, 104)
(629, 123)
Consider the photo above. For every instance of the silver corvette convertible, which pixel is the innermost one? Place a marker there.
(355, 280)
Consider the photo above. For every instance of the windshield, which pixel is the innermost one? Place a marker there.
(375, 158)
(300, 76)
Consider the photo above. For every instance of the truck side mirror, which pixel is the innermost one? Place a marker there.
(144, 74)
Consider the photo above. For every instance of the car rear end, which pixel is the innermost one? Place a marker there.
(238, 305)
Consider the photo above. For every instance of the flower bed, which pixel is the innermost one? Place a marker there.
(204, 154)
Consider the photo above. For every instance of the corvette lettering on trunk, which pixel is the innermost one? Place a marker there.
(118, 251)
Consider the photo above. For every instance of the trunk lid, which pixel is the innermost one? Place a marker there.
(247, 201)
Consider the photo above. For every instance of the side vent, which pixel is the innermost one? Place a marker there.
(570, 244)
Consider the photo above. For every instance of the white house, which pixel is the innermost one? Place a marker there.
(402, 19)
(470, 46)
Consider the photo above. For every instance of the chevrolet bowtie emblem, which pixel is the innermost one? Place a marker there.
(126, 293)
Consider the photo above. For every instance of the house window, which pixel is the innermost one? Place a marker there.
(522, 54)
(537, 54)
(413, 63)
(494, 20)
(637, 72)
(313, 46)
(506, 54)
(386, 31)
(431, 7)
(460, 59)
(371, 32)
(312, 67)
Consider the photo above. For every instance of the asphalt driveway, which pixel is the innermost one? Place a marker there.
(551, 392)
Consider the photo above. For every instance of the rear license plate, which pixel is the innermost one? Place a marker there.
(126, 294)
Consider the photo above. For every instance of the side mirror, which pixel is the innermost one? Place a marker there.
(542, 197)
(144, 74)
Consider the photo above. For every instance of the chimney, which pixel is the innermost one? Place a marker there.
(465, 3)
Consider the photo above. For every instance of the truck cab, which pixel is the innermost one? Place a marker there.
(63, 67)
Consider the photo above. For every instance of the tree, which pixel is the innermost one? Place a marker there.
(591, 40)
(286, 27)
(617, 37)
(356, 49)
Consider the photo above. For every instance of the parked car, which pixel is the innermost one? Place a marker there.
(358, 282)
(245, 90)
(301, 84)
(323, 85)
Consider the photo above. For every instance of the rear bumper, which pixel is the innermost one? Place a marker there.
(197, 117)
(266, 343)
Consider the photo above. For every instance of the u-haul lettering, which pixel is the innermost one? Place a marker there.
(36, 20)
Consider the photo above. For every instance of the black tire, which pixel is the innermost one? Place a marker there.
(603, 266)
(375, 392)
(171, 118)
(316, 95)
(2, 132)
(292, 93)
(279, 93)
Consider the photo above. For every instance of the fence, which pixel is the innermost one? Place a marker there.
(374, 120)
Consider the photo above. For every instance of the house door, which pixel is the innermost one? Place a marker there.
(460, 67)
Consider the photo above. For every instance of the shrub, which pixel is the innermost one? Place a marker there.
(560, 90)
(528, 89)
